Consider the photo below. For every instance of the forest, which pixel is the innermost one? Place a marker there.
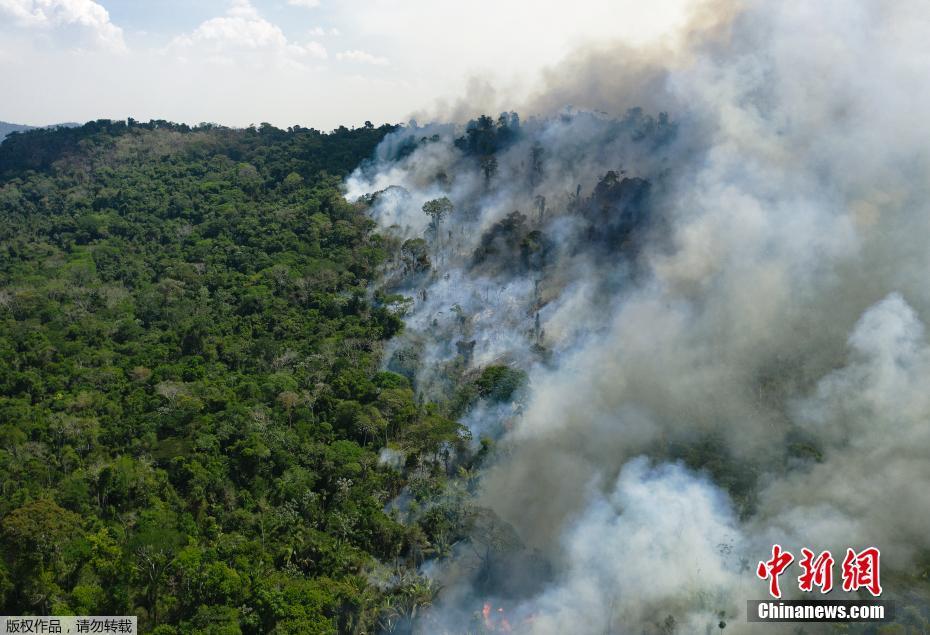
(625, 331)
(193, 412)
(285, 381)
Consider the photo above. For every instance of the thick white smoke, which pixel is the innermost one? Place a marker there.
(762, 325)
(653, 517)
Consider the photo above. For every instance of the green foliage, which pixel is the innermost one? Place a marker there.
(437, 210)
(415, 255)
(499, 383)
(191, 404)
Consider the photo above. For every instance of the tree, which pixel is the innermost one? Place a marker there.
(289, 400)
(489, 167)
(292, 181)
(437, 210)
(39, 530)
(36, 538)
(536, 164)
(155, 546)
(415, 256)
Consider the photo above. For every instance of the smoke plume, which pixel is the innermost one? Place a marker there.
(720, 312)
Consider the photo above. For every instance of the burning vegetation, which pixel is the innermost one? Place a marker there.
(674, 339)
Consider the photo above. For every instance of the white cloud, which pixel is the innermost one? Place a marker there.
(319, 31)
(362, 57)
(310, 4)
(89, 20)
(208, 74)
(244, 35)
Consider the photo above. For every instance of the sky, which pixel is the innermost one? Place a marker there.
(318, 63)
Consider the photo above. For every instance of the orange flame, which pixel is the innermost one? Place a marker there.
(498, 624)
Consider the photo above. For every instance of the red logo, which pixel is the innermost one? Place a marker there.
(773, 568)
(817, 572)
(859, 570)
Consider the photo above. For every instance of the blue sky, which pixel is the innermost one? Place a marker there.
(311, 62)
(166, 17)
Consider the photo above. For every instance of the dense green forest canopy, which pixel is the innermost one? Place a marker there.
(191, 406)
(7, 128)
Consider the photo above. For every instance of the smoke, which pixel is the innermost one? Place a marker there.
(720, 312)
(651, 516)
(869, 416)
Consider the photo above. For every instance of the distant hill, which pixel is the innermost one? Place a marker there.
(7, 127)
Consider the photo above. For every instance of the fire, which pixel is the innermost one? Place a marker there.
(495, 623)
